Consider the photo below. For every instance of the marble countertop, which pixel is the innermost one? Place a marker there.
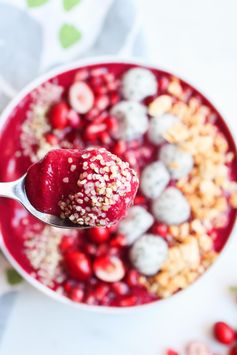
(197, 40)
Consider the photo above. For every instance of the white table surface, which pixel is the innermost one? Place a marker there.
(196, 39)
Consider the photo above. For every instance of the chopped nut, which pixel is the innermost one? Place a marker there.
(160, 105)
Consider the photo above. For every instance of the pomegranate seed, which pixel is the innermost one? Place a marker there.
(119, 148)
(120, 288)
(78, 265)
(108, 77)
(100, 118)
(58, 115)
(68, 286)
(128, 301)
(160, 229)
(76, 294)
(101, 291)
(101, 102)
(139, 200)
(105, 139)
(98, 72)
(118, 241)
(99, 235)
(114, 85)
(67, 243)
(94, 129)
(51, 138)
(73, 119)
(233, 350)
(171, 352)
(112, 124)
(100, 90)
(109, 268)
(163, 83)
(94, 112)
(81, 75)
(114, 98)
(90, 299)
(102, 250)
(132, 278)
(90, 249)
(224, 333)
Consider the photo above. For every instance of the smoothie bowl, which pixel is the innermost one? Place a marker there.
(182, 152)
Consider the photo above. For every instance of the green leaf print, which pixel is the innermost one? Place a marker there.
(13, 278)
(69, 35)
(36, 3)
(69, 4)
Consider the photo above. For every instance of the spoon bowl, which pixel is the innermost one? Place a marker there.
(16, 190)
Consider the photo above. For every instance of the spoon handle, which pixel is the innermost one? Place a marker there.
(11, 189)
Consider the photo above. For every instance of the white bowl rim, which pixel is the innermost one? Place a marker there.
(100, 60)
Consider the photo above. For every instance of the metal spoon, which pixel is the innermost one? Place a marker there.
(16, 190)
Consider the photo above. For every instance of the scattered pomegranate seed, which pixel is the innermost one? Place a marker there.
(120, 288)
(78, 265)
(132, 277)
(101, 291)
(160, 229)
(139, 200)
(224, 333)
(82, 74)
(99, 235)
(90, 249)
(68, 286)
(91, 299)
(58, 115)
(51, 138)
(119, 148)
(112, 124)
(102, 250)
(73, 119)
(94, 129)
(118, 241)
(76, 294)
(67, 243)
(113, 85)
(108, 77)
(105, 138)
(128, 301)
(100, 90)
(109, 268)
(101, 102)
(114, 98)
(233, 350)
(98, 72)
(171, 352)
(163, 83)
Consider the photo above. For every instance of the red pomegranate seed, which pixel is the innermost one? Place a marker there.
(224, 333)
(98, 72)
(73, 119)
(100, 90)
(139, 200)
(120, 288)
(91, 299)
(78, 265)
(163, 84)
(100, 118)
(81, 75)
(233, 350)
(101, 291)
(102, 250)
(98, 234)
(105, 138)
(58, 115)
(160, 229)
(94, 129)
(92, 114)
(114, 85)
(171, 352)
(132, 278)
(90, 249)
(101, 102)
(128, 301)
(76, 294)
(109, 268)
(118, 241)
(112, 124)
(51, 138)
(67, 243)
(108, 77)
(119, 148)
(68, 286)
(114, 98)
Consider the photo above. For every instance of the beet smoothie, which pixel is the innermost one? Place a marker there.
(184, 157)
